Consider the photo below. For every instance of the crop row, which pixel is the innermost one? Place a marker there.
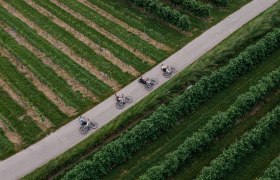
(235, 153)
(156, 30)
(44, 73)
(77, 46)
(83, 76)
(6, 147)
(164, 117)
(217, 125)
(29, 92)
(16, 117)
(164, 13)
(195, 7)
(131, 39)
(121, 53)
(273, 171)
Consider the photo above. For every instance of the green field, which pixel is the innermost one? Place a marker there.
(153, 151)
(60, 58)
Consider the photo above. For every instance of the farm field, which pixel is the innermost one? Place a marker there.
(60, 58)
(188, 138)
(152, 148)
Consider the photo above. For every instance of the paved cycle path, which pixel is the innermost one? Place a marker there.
(68, 136)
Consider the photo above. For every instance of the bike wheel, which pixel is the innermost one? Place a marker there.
(83, 130)
(93, 125)
(154, 81)
(167, 75)
(148, 86)
(128, 99)
(119, 105)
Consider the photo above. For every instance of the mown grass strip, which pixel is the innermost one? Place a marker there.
(9, 73)
(77, 46)
(71, 81)
(105, 33)
(16, 116)
(6, 147)
(44, 73)
(99, 50)
(31, 111)
(83, 76)
(117, 50)
(128, 37)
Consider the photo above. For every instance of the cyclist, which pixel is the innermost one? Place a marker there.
(164, 67)
(119, 98)
(82, 120)
(143, 81)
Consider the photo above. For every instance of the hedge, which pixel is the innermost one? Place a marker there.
(195, 7)
(164, 13)
(221, 2)
(273, 171)
(235, 154)
(117, 151)
(214, 127)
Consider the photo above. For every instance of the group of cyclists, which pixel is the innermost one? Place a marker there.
(120, 97)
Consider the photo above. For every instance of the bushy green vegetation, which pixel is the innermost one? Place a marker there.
(195, 7)
(233, 155)
(218, 124)
(221, 2)
(215, 58)
(164, 13)
(165, 116)
(273, 171)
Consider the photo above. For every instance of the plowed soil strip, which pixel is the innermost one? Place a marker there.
(63, 47)
(14, 137)
(30, 110)
(71, 81)
(38, 84)
(130, 29)
(96, 48)
(104, 32)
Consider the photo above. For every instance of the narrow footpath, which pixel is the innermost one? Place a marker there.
(68, 136)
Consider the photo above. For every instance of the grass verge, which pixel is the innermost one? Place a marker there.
(210, 61)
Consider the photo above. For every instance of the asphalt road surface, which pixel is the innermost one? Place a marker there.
(68, 136)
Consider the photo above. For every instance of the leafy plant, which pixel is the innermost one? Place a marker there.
(164, 13)
(195, 7)
(234, 155)
(165, 116)
(216, 126)
(273, 171)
